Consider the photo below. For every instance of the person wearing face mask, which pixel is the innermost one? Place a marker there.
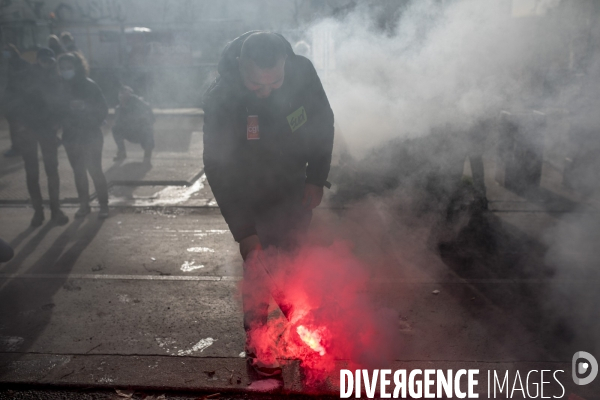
(83, 112)
(17, 72)
(40, 116)
(268, 139)
(134, 121)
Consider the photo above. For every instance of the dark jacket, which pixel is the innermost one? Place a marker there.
(135, 118)
(40, 112)
(82, 124)
(247, 177)
(18, 74)
(58, 49)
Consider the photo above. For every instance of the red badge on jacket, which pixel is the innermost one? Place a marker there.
(252, 131)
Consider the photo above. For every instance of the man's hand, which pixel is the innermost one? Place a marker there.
(313, 195)
(248, 245)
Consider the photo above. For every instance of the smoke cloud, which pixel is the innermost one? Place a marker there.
(412, 101)
(448, 64)
(409, 99)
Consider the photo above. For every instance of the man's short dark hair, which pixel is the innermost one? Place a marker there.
(264, 48)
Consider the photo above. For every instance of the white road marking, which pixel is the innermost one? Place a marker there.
(169, 196)
(165, 342)
(200, 346)
(201, 250)
(124, 298)
(188, 266)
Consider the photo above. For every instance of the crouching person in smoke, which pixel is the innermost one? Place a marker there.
(268, 138)
(134, 121)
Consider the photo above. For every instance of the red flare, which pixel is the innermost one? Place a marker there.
(312, 338)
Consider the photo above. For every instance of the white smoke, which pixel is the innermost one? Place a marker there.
(445, 65)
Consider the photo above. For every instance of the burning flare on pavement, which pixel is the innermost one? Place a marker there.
(312, 338)
(328, 316)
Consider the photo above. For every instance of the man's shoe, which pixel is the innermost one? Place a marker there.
(103, 214)
(38, 218)
(82, 212)
(262, 369)
(120, 156)
(12, 153)
(59, 218)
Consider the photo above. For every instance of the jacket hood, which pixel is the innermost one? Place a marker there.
(228, 64)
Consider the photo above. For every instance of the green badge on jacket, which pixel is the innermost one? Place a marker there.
(297, 118)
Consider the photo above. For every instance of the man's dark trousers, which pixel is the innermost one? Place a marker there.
(280, 227)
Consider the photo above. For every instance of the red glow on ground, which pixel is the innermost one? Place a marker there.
(332, 317)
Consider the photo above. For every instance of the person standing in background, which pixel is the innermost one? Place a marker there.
(83, 112)
(68, 42)
(134, 121)
(17, 72)
(41, 120)
(55, 45)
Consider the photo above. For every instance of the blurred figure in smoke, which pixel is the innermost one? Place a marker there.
(474, 147)
(41, 121)
(582, 166)
(84, 110)
(17, 71)
(460, 200)
(68, 42)
(268, 138)
(55, 45)
(134, 121)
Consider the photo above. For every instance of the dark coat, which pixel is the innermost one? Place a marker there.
(82, 125)
(134, 119)
(40, 111)
(248, 177)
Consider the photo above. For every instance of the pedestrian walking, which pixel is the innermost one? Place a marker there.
(268, 138)
(134, 122)
(17, 74)
(41, 120)
(83, 112)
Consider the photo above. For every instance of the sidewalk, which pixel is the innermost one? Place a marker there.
(148, 298)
